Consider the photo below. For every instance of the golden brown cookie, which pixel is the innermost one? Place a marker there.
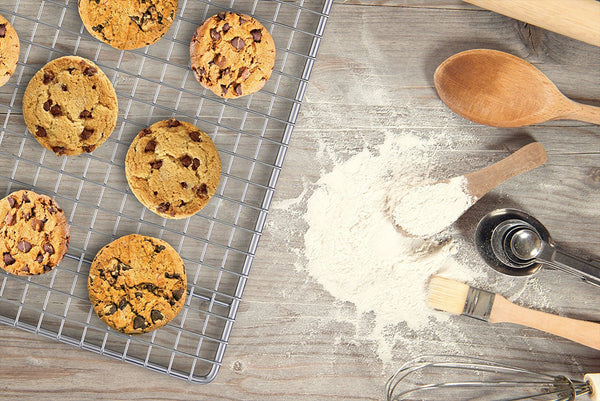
(137, 284)
(9, 50)
(70, 106)
(127, 24)
(232, 55)
(173, 168)
(34, 234)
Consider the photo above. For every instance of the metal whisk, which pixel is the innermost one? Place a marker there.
(485, 380)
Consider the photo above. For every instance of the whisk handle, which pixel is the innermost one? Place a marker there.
(580, 331)
(593, 379)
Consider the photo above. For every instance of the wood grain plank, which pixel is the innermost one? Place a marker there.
(291, 339)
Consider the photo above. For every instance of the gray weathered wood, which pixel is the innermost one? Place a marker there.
(374, 71)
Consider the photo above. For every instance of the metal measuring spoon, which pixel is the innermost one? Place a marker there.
(515, 243)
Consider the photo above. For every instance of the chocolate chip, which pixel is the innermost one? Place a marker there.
(150, 146)
(163, 207)
(24, 246)
(196, 136)
(59, 150)
(225, 27)
(202, 189)
(11, 219)
(182, 203)
(86, 133)
(123, 303)
(186, 160)
(47, 268)
(184, 185)
(195, 164)
(71, 69)
(64, 87)
(238, 89)
(56, 110)
(11, 201)
(124, 267)
(111, 310)
(243, 20)
(221, 16)
(48, 248)
(85, 114)
(40, 131)
(256, 35)
(90, 71)
(25, 197)
(25, 269)
(156, 164)
(39, 258)
(2, 30)
(171, 301)
(37, 224)
(226, 71)
(178, 293)
(244, 73)
(48, 77)
(139, 323)
(173, 123)
(214, 35)
(88, 148)
(155, 193)
(149, 286)
(238, 43)
(224, 89)
(97, 28)
(94, 86)
(144, 132)
(47, 104)
(8, 259)
(220, 61)
(174, 275)
(156, 315)
(159, 248)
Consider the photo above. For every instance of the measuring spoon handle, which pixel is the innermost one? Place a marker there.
(589, 271)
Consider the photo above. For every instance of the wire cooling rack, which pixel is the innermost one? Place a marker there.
(153, 83)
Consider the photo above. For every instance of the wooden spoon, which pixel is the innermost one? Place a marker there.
(427, 210)
(498, 89)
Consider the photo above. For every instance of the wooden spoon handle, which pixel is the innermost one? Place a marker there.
(580, 331)
(582, 112)
(528, 157)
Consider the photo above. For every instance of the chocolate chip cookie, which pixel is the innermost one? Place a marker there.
(137, 284)
(232, 54)
(34, 234)
(173, 168)
(127, 24)
(9, 50)
(70, 106)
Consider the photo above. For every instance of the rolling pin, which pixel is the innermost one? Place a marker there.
(577, 19)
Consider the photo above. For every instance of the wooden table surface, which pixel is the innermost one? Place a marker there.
(374, 75)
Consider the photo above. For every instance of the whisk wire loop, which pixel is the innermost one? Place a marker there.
(536, 384)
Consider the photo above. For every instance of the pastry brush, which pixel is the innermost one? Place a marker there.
(461, 299)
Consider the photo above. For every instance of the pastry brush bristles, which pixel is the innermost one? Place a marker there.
(447, 295)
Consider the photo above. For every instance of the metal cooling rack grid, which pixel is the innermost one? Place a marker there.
(219, 243)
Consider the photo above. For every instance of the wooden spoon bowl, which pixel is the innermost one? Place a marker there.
(498, 89)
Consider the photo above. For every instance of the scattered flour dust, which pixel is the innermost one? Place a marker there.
(354, 250)
(426, 210)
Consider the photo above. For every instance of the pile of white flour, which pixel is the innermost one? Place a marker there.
(427, 210)
(354, 250)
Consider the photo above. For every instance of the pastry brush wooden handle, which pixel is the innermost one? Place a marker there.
(580, 331)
